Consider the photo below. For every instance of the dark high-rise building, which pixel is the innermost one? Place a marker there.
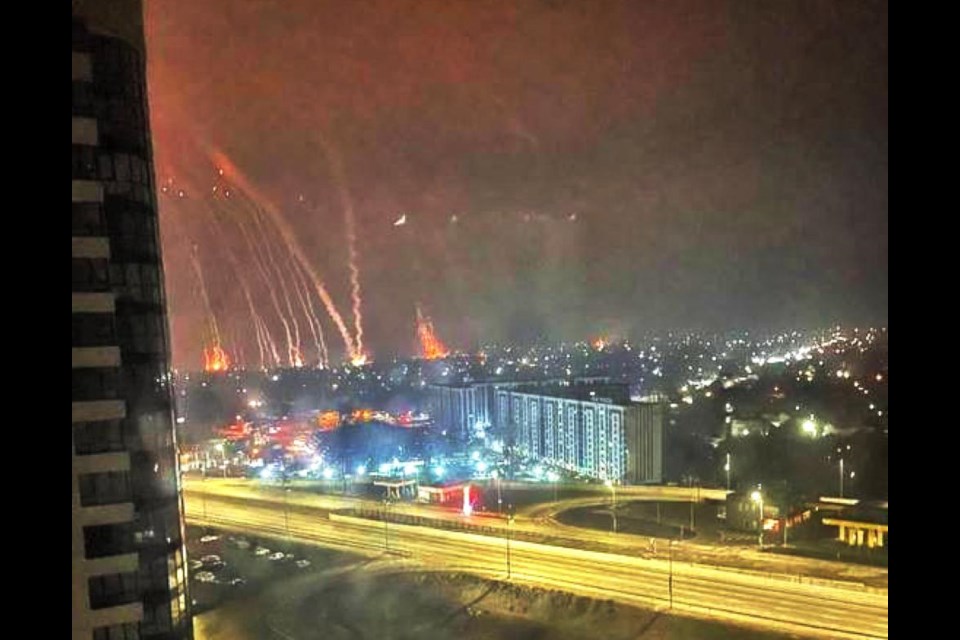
(129, 575)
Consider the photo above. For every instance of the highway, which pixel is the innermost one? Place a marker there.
(537, 521)
(745, 598)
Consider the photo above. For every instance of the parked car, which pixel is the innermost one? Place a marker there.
(205, 576)
(196, 564)
(261, 551)
(210, 559)
(303, 564)
(209, 538)
(237, 582)
(279, 555)
(241, 543)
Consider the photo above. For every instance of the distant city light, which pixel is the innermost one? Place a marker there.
(361, 470)
(327, 473)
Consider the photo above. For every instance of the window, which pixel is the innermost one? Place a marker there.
(91, 274)
(88, 219)
(128, 631)
(110, 487)
(93, 330)
(157, 617)
(113, 589)
(98, 437)
(84, 99)
(84, 162)
(141, 333)
(95, 384)
(104, 540)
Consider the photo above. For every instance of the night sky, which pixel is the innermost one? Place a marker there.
(567, 168)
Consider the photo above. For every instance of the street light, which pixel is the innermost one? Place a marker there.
(757, 497)
(286, 510)
(841, 477)
(203, 492)
(613, 510)
(693, 500)
(554, 477)
(509, 522)
(386, 522)
(726, 468)
(670, 580)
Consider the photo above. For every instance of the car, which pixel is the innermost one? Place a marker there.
(241, 543)
(210, 559)
(205, 576)
(196, 564)
(289, 556)
(261, 551)
(237, 582)
(219, 564)
(303, 564)
(209, 538)
(279, 555)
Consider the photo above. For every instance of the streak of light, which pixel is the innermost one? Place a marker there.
(236, 176)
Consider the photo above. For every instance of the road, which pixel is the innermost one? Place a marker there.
(537, 521)
(683, 588)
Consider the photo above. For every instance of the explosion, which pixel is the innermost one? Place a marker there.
(359, 360)
(431, 348)
(215, 359)
(296, 359)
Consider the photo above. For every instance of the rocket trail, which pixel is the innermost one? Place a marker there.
(336, 168)
(268, 338)
(220, 160)
(264, 340)
(295, 353)
(303, 293)
(211, 318)
(260, 263)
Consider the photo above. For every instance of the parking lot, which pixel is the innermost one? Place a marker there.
(224, 566)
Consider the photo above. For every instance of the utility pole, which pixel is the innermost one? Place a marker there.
(670, 580)
(613, 509)
(509, 522)
(203, 492)
(841, 477)
(286, 509)
(726, 468)
(692, 527)
(386, 522)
